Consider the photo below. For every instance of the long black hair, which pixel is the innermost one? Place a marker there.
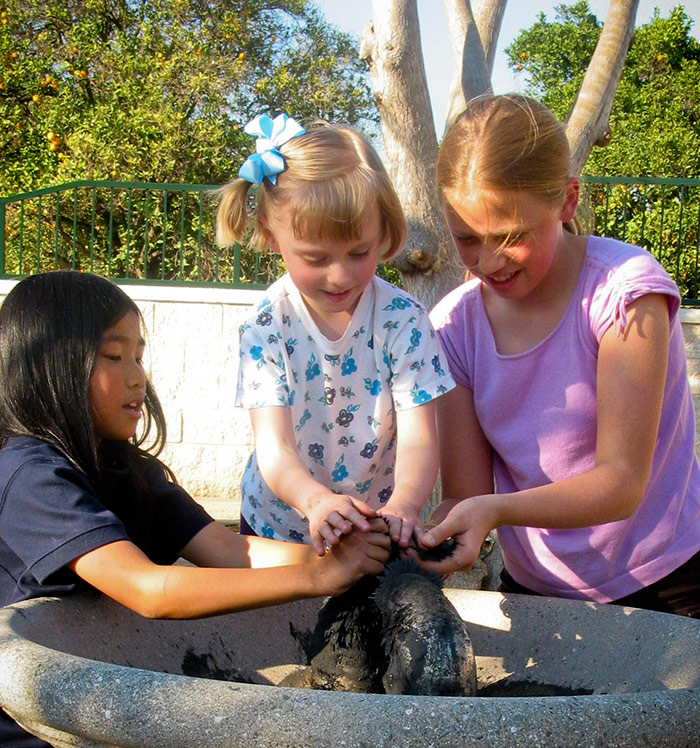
(51, 328)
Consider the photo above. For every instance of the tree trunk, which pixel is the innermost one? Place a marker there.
(488, 15)
(588, 122)
(471, 76)
(392, 48)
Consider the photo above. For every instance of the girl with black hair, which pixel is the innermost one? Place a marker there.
(84, 500)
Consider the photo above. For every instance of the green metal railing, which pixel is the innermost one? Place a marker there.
(661, 215)
(128, 231)
(164, 233)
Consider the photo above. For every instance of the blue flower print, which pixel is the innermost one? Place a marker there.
(272, 339)
(347, 392)
(340, 472)
(332, 360)
(369, 449)
(420, 397)
(346, 441)
(415, 340)
(289, 345)
(370, 343)
(256, 353)
(329, 395)
(373, 386)
(417, 365)
(384, 495)
(286, 320)
(436, 365)
(363, 487)
(312, 368)
(316, 453)
(304, 418)
(281, 505)
(264, 319)
(398, 302)
(349, 365)
(296, 536)
(267, 531)
(345, 416)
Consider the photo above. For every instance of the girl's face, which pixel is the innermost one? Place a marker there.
(118, 380)
(508, 239)
(330, 275)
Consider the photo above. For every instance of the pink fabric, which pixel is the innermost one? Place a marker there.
(538, 411)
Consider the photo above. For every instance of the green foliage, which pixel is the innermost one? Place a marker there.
(156, 90)
(655, 119)
(153, 91)
(555, 79)
(655, 126)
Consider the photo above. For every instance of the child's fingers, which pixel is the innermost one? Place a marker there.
(437, 534)
(317, 544)
(363, 507)
(418, 532)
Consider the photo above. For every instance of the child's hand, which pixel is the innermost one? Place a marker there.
(332, 515)
(468, 522)
(404, 524)
(358, 554)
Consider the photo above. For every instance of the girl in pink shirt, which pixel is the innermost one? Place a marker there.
(571, 428)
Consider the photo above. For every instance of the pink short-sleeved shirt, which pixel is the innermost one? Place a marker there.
(538, 411)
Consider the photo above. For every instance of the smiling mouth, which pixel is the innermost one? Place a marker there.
(502, 278)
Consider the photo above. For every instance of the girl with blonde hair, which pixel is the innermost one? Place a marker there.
(572, 390)
(338, 368)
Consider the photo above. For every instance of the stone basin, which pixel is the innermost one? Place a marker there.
(84, 671)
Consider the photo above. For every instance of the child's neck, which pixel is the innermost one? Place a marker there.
(331, 326)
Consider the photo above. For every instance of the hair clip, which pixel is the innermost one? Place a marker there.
(267, 161)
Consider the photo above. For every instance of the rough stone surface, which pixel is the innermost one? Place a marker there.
(85, 671)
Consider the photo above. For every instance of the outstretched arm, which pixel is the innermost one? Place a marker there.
(330, 515)
(415, 472)
(630, 385)
(122, 571)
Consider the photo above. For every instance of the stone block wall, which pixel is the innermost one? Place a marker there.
(192, 355)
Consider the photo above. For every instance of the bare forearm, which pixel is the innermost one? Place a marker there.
(416, 472)
(288, 477)
(603, 494)
(190, 592)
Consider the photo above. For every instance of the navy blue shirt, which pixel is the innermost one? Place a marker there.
(49, 516)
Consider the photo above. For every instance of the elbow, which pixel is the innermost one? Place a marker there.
(628, 493)
(152, 600)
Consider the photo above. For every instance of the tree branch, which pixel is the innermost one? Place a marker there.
(588, 122)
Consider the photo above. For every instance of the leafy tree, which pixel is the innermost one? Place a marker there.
(156, 90)
(655, 119)
(654, 127)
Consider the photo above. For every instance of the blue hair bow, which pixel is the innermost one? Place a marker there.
(267, 161)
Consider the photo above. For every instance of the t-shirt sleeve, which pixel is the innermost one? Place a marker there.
(262, 378)
(636, 276)
(179, 518)
(449, 316)
(50, 517)
(419, 371)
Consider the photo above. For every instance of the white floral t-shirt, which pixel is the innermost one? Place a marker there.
(343, 394)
